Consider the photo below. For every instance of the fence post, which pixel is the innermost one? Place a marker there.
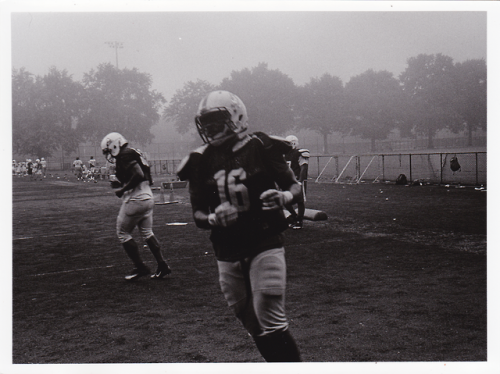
(477, 171)
(383, 167)
(411, 179)
(441, 168)
(317, 158)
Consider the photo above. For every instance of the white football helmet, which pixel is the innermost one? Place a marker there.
(111, 145)
(293, 140)
(220, 116)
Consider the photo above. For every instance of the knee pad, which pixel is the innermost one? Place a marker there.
(123, 236)
(268, 273)
(146, 233)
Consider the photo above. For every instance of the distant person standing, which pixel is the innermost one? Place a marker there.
(29, 168)
(78, 168)
(132, 183)
(298, 160)
(37, 169)
(43, 164)
(92, 169)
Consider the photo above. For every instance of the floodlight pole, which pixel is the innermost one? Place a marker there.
(115, 45)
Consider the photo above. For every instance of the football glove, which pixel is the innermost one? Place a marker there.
(225, 215)
(274, 199)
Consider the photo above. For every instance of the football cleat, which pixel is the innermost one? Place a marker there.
(137, 273)
(297, 225)
(162, 271)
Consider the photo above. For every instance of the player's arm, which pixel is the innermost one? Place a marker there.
(136, 179)
(224, 215)
(290, 190)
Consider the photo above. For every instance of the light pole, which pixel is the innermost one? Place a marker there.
(115, 45)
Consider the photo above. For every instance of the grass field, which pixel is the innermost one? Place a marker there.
(395, 274)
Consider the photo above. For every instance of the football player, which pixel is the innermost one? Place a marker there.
(43, 163)
(92, 169)
(37, 169)
(29, 167)
(132, 183)
(298, 160)
(232, 186)
(78, 168)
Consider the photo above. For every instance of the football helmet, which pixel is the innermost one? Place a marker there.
(220, 116)
(293, 140)
(111, 145)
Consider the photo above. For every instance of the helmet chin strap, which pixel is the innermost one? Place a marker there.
(109, 157)
(226, 135)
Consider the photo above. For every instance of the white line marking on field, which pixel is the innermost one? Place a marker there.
(72, 271)
(205, 254)
(94, 231)
(42, 236)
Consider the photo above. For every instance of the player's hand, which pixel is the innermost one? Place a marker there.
(115, 184)
(225, 215)
(119, 193)
(274, 199)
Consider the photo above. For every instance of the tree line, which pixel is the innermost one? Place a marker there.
(431, 94)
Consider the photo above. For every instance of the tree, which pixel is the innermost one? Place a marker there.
(470, 94)
(428, 83)
(321, 106)
(269, 96)
(183, 106)
(373, 105)
(44, 111)
(120, 100)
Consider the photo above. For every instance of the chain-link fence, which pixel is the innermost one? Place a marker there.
(426, 167)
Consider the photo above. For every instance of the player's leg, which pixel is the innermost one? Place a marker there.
(301, 208)
(292, 218)
(125, 224)
(234, 285)
(145, 226)
(268, 280)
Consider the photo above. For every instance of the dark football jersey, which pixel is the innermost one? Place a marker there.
(126, 159)
(292, 158)
(240, 173)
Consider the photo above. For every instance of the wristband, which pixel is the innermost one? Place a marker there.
(212, 219)
(287, 197)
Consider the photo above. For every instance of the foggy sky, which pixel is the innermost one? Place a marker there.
(177, 47)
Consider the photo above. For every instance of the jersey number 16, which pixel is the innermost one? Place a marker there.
(237, 191)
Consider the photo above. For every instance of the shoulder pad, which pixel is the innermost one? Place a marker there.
(128, 154)
(273, 142)
(189, 162)
(304, 152)
(242, 141)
